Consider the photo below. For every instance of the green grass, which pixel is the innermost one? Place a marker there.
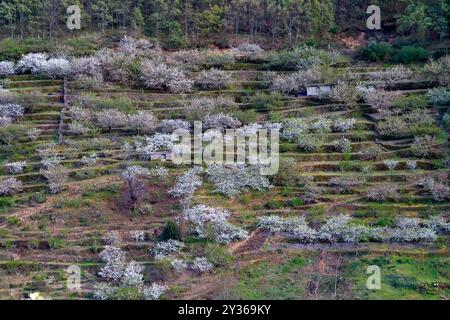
(402, 277)
(273, 281)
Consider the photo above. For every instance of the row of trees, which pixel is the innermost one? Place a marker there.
(190, 19)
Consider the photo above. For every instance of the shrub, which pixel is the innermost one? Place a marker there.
(15, 167)
(343, 125)
(296, 82)
(266, 102)
(213, 79)
(108, 119)
(345, 93)
(248, 52)
(383, 192)
(211, 223)
(171, 231)
(163, 77)
(188, 183)
(220, 121)
(10, 186)
(233, 179)
(76, 127)
(142, 121)
(55, 68)
(31, 62)
(410, 54)
(391, 164)
(13, 111)
(342, 145)
(11, 134)
(287, 174)
(202, 265)
(393, 127)
(412, 102)
(381, 100)
(411, 164)
(5, 121)
(86, 67)
(423, 146)
(392, 75)
(6, 69)
(311, 143)
(439, 70)
(376, 51)
(439, 96)
(345, 184)
(170, 125)
(56, 176)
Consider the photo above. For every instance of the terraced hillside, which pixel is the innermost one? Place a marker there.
(338, 160)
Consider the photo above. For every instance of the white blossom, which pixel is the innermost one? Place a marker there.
(202, 265)
(15, 167)
(6, 68)
(10, 186)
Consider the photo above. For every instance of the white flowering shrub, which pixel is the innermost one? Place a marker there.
(391, 164)
(248, 51)
(154, 292)
(311, 143)
(56, 177)
(342, 145)
(132, 275)
(202, 265)
(411, 164)
(137, 235)
(178, 265)
(439, 96)
(5, 96)
(160, 76)
(320, 125)
(86, 67)
(31, 62)
(438, 224)
(15, 167)
(13, 111)
(187, 184)
(209, 105)
(211, 223)
(115, 260)
(133, 178)
(390, 76)
(135, 47)
(220, 121)
(50, 161)
(417, 234)
(187, 59)
(232, 179)
(159, 172)
(80, 114)
(345, 184)
(164, 249)
(423, 146)
(34, 133)
(89, 161)
(382, 100)
(142, 121)
(345, 93)
(169, 126)
(110, 118)
(439, 191)
(292, 129)
(383, 192)
(55, 67)
(5, 121)
(6, 69)
(113, 238)
(157, 142)
(10, 186)
(77, 128)
(343, 125)
(296, 82)
(213, 79)
(372, 152)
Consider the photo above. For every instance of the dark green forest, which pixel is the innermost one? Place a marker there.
(180, 23)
